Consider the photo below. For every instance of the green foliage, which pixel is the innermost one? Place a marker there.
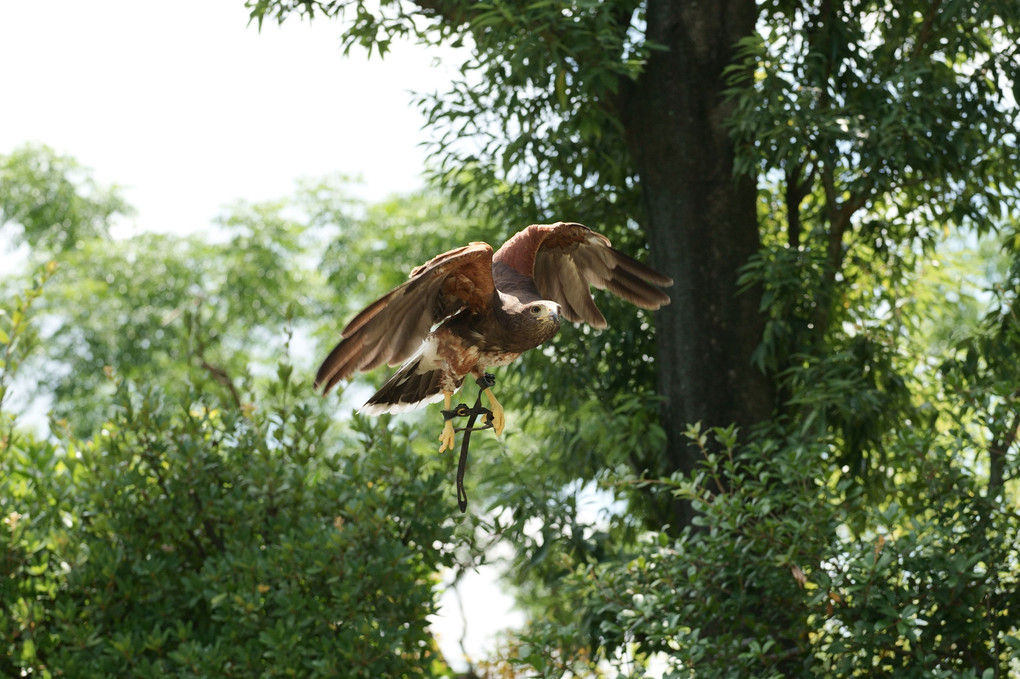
(907, 104)
(208, 312)
(870, 527)
(54, 200)
(884, 136)
(772, 582)
(794, 567)
(165, 304)
(191, 512)
(553, 72)
(16, 334)
(879, 131)
(197, 537)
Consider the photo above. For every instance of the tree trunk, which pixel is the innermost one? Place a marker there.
(701, 222)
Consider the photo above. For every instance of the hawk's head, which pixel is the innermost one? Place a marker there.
(539, 321)
(544, 311)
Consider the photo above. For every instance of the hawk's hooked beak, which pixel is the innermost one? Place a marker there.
(551, 311)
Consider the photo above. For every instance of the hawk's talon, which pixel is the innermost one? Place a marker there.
(497, 421)
(497, 418)
(446, 439)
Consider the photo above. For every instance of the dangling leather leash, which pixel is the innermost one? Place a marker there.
(486, 381)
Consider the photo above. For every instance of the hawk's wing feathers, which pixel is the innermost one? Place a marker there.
(557, 262)
(566, 258)
(393, 327)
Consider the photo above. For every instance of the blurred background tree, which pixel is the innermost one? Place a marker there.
(191, 509)
(51, 202)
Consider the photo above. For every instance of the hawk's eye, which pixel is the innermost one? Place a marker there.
(536, 309)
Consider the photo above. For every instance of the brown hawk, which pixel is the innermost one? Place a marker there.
(469, 309)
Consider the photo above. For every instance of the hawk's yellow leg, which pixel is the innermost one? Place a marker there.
(446, 438)
(498, 420)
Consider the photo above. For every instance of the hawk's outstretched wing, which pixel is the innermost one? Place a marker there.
(393, 327)
(564, 259)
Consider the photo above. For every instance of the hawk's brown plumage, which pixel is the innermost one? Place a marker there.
(468, 309)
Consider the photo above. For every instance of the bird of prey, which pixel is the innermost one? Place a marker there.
(468, 309)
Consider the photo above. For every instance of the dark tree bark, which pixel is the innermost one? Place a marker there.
(701, 223)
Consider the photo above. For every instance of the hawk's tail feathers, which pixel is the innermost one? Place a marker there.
(406, 389)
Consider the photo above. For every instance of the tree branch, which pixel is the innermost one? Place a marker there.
(839, 215)
(217, 373)
(797, 190)
(925, 34)
(221, 376)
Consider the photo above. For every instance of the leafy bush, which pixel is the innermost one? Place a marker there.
(193, 538)
(772, 582)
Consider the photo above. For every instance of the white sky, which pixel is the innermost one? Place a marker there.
(189, 109)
